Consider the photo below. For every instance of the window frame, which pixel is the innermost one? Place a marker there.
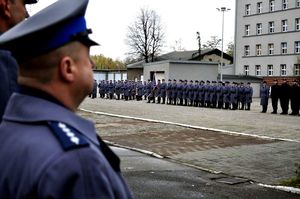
(258, 28)
(248, 9)
(257, 70)
(271, 26)
(271, 49)
(258, 50)
(285, 4)
(297, 69)
(247, 30)
(283, 70)
(297, 24)
(246, 50)
(270, 70)
(283, 48)
(246, 70)
(284, 25)
(297, 47)
(259, 8)
(272, 5)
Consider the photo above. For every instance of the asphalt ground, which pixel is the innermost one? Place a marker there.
(268, 155)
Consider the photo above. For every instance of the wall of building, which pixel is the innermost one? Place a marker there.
(134, 73)
(110, 75)
(189, 70)
(276, 38)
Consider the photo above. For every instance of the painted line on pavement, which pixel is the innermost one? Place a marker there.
(190, 126)
(281, 188)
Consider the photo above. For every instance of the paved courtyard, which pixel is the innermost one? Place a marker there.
(256, 158)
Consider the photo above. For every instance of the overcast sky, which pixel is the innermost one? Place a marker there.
(181, 19)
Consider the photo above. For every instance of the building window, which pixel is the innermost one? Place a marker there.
(297, 69)
(297, 47)
(297, 23)
(258, 28)
(271, 27)
(284, 4)
(270, 70)
(284, 24)
(257, 70)
(283, 69)
(283, 48)
(297, 3)
(271, 49)
(247, 9)
(259, 7)
(258, 49)
(246, 70)
(247, 30)
(247, 50)
(272, 5)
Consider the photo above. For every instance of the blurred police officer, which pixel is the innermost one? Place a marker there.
(264, 96)
(248, 96)
(275, 93)
(169, 92)
(295, 98)
(11, 13)
(284, 97)
(49, 151)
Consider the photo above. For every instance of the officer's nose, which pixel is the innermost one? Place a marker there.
(93, 64)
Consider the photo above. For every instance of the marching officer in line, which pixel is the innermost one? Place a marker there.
(49, 151)
(139, 91)
(196, 94)
(191, 93)
(133, 90)
(185, 93)
(94, 92)
(219, 92)
(213, 95)
(126, 90)
(275, 93)
(248, 96)
(118, 89)
(201, 93)
(169, 92)
(180, 92)
(241, 92)
(264, 96)
(174, 92)
(226, 95)
(284, 97)
(295, 98)
(151, 90)
(148, 88)
(145, 90)
(207, 94)
(234, 96)
(163, 91)
(158, 91)
(111, 89)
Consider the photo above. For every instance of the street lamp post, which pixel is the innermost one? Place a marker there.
(223, 10)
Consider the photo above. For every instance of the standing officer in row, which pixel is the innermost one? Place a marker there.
(264, 96)
(295, 98)
(248, 96)
(219, 93)
(169, 92)
(284, 97)
(226, 95)
(11, 13)
(49, 151)
(163, 91)
(275, 94)
(174, 92)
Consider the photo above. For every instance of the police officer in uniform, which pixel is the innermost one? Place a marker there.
(264, 96)
(169, 92)
(11, 13)
(275, 93)
(248, 96)
(284, 97)
(49, 151)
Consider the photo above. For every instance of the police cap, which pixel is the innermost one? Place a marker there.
(51, 28)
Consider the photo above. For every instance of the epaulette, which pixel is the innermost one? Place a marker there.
(69, 137)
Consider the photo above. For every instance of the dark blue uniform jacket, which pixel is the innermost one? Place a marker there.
(48, 151)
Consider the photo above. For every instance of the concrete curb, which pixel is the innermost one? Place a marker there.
(190, 126)
(282, 188)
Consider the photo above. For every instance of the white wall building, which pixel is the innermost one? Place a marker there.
(267, 38)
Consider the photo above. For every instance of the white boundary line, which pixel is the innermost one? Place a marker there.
(190, 126)
(281, 188)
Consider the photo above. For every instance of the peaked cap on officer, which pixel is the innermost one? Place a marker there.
(51, 28)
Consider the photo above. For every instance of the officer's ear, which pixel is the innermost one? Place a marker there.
(67, 69)
(5, 8)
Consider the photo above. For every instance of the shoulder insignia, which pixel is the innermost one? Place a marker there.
(68, 136)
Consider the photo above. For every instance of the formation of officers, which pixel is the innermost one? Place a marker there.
(287, 95)
(213, 94)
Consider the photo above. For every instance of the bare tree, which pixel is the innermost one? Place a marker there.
(213, 43)
(145, 36)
